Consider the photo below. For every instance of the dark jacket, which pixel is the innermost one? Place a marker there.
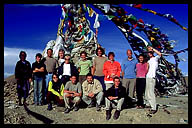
(23, 71)
(73, 69)
(38, 65)
(121, 92)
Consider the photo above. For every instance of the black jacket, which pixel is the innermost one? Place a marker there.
(38, 65)
(121, 92)
(23, 71)
(74, 70)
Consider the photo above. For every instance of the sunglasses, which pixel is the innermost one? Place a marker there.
(54, 77)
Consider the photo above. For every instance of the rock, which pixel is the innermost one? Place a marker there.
(77, 38)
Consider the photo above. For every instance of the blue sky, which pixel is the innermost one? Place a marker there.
(29, 27)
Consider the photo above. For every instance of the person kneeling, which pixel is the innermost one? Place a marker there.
(72, 94)
(55, 92)
(114, 96)
(92, 90)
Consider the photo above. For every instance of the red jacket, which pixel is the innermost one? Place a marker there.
(109, 68)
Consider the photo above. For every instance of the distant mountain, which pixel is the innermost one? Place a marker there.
(10, 79)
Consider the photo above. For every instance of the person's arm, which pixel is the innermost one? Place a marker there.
(93, 68)
(122, 69)
(90, 66)
(85, 88)
(105, 70)
(79, 91)
(98, 87)
(155, 50)
(113, 98)
(52, 90)
(118, 69)
(30, 72)
(17, 71)
(147, 67)
(42, 69)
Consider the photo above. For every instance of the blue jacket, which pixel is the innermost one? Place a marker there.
(129, 68)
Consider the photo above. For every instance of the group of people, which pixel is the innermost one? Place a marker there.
(95, 82)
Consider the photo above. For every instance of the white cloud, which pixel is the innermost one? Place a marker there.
(6, 74)
(11, 56)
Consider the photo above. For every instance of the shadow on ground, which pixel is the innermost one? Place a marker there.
(39, 116)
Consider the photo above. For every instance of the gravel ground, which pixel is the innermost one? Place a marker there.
(171, 110)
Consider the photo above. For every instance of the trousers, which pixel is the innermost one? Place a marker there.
(98, 97)
(150, 92)
(114, 104)
(129, 84)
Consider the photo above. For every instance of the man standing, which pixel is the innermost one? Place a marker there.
(151, 78)
(98, 62)
(129, 74)
(61, 57)
(38, 76)
(72, 94)
(51, 65)
(114, 96)
(111, 68)
(92, 90)
(66, 70)
(23, 75)
(84, 67)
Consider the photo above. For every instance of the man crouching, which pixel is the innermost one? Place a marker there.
(92, 91)
(72, 94)
(114, 96)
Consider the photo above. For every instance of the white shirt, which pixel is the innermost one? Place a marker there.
(66, 69)
(153, 65)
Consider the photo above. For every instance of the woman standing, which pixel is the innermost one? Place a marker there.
(141, 71)
(23, 75)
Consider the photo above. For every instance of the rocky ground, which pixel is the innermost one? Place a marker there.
(171, 110)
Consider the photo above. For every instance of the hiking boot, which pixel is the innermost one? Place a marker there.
(49, 107)
(98, 107)
(152, 111)
(40, 104)
(76, 108)
(108, 114)
(147, 106)
(91, 105)
(25, 103)
(20, 104)
(116, 115)
(67, 110)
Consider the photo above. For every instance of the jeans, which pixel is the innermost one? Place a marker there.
(140, 89)
(38, 85)
(101, 80)
(47, 79)
(23, 87)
